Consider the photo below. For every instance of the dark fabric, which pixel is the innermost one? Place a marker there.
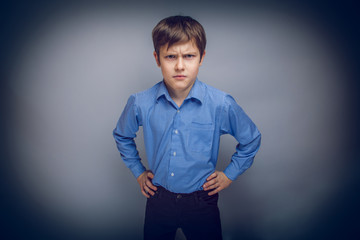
(197, 214)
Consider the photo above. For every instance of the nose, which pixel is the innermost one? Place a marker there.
(179, 64)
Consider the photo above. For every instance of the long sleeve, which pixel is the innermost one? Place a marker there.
(234, 121)
(124, 134)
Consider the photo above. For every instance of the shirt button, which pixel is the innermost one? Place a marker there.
(174, 153)
(178, 111)
(172, 174)
(176, 131)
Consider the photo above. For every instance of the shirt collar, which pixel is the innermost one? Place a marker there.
(162, 91)
(197, 92)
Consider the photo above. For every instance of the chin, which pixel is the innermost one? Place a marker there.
(182, 86)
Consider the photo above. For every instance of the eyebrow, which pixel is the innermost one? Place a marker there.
(186, 53)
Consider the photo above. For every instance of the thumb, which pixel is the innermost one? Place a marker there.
(151, 175)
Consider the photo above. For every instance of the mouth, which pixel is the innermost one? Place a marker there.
(179, 77)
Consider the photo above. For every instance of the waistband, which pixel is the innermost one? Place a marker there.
(163, 191)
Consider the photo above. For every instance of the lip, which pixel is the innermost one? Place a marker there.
(179, 77)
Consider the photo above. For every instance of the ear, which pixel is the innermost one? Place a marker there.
(157, 58)
(202, 58)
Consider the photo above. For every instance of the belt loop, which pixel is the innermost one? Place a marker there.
(160, 191)
(196, 198)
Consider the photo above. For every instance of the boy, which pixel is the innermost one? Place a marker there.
(182, 120)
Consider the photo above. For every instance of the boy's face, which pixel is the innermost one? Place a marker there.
(179, 65)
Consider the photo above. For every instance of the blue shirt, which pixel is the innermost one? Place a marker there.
(182, 143)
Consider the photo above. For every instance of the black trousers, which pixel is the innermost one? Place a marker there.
(197, 214)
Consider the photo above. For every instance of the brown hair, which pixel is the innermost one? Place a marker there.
(178, 29)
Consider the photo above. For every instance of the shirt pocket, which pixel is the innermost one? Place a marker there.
(201, 136)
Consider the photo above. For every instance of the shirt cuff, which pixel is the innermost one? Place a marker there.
(232, 175)
(137, 170)
(234, 170)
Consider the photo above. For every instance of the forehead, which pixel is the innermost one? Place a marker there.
(187, 46)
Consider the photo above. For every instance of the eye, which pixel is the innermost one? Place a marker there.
(189, 56)
(170, 57)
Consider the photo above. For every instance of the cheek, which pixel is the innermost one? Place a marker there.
(165, 70)
(194, 69)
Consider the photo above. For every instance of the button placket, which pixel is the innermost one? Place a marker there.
(176, 132)
(174, 143)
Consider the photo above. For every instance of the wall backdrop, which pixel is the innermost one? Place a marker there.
(69, 69)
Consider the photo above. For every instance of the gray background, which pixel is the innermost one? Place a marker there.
(71, 68)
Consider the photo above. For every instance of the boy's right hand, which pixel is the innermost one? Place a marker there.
(145, 183)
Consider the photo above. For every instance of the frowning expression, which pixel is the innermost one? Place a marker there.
(179, 65)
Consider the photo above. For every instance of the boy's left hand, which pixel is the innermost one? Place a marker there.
(217, 181)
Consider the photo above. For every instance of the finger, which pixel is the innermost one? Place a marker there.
(148, 190)
(213, 175)
(210, 183)
(216, 185)
(145, 194)
(215, 191)
(150, 185)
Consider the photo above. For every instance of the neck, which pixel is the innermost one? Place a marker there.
(178, 96)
